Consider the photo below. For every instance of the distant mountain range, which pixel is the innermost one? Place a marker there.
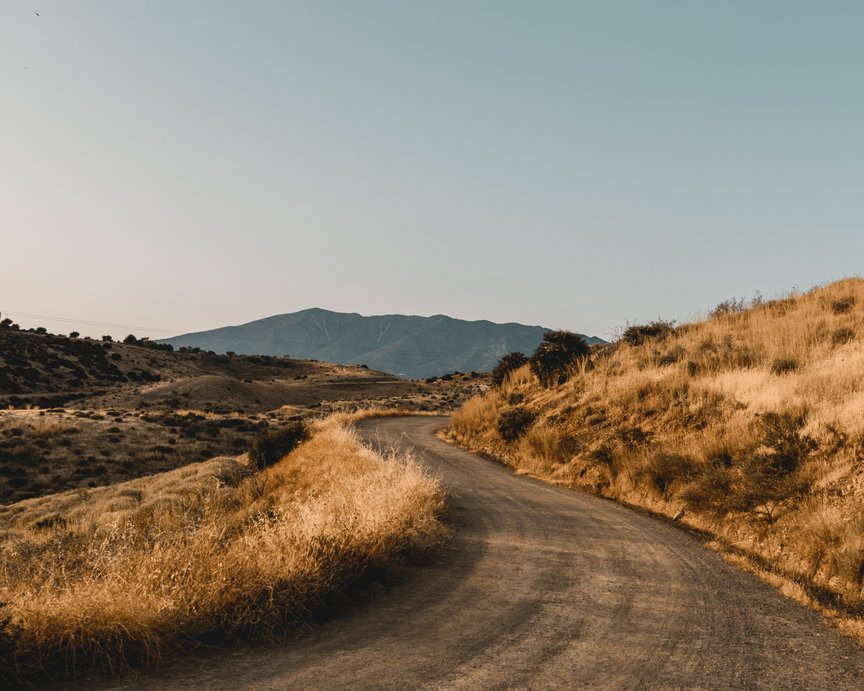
(409, 346)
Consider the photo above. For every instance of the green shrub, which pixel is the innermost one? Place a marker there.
(507, 364)
(551, 363)
(270, 448)
(514, 422)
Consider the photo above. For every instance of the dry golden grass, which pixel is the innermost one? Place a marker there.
(114, 575)
(690, 421)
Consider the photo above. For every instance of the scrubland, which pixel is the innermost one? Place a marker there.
(748, 425)
(113, 576)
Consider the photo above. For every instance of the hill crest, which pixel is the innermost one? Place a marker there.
(406, 345)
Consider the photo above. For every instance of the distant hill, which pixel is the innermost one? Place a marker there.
(410, 346)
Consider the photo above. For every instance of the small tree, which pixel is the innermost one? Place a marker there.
(556, 355)
(74, 334)
(507, 364)
(764, 480)
(130, 340)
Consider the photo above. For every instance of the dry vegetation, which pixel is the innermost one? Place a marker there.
(748, 425)
(113, 576)
(132, 410)
(46, 370)
(46, 451)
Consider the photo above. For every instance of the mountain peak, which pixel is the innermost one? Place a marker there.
(410, 346)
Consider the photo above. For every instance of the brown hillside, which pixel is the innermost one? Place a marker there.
(750, 424)
(78, 413)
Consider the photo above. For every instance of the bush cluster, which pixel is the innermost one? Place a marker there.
(145, 342)
(640, 333)
(272, 447)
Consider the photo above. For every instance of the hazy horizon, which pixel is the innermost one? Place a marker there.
(174, 168)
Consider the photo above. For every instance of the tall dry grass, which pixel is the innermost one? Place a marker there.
(113, 576)
(750, 422)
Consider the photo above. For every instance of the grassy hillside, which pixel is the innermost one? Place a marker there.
(748, 425)
(115, 575)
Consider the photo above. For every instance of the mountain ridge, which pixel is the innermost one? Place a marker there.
(406, 345)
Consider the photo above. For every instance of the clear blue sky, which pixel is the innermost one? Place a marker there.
(185, 165)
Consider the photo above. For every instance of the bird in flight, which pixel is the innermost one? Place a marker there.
(36, 13)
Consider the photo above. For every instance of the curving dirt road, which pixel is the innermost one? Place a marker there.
(546, 588)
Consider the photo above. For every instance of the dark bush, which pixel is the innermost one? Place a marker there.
(758, 483)
(514, 422)
(842, 335)
(665, 469)
(843, 305)
(784, 365)
(640, 333)
(787, 447)
(554, 357)
(270, 448)
(507, 364)
(711, 491)
(130, 340)
(672, 356)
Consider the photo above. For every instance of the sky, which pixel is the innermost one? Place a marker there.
(176, 166)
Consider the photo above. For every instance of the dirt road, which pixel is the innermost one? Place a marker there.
(545, 588)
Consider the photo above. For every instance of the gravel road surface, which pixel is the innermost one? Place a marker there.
(540, 588)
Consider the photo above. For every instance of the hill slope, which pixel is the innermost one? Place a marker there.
(409, 346)
(748, 424)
